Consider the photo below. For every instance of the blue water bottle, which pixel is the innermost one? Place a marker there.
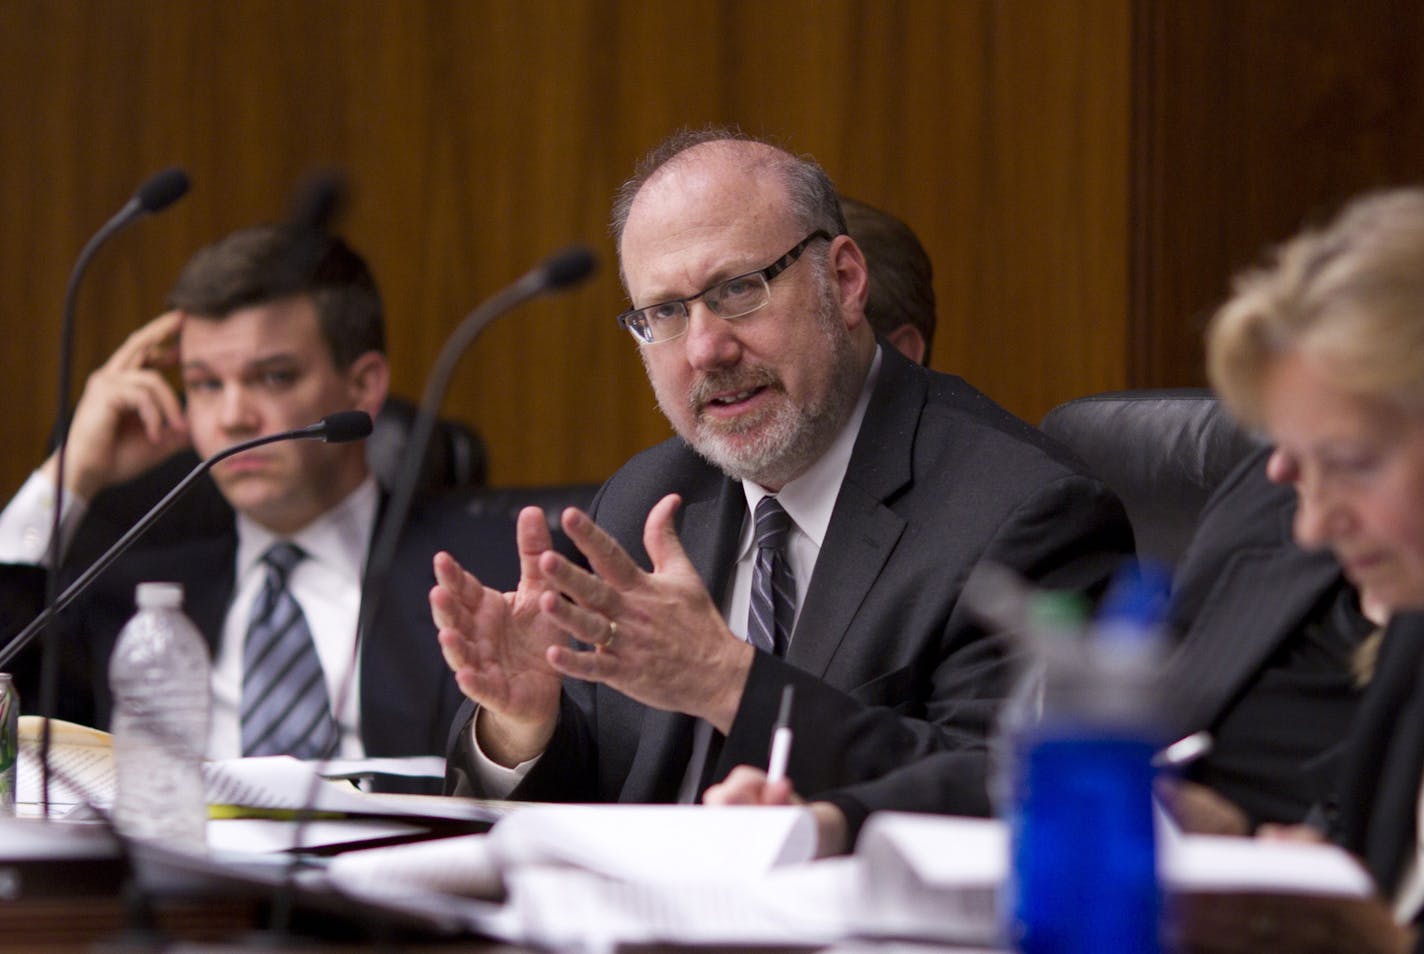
(1084, 861)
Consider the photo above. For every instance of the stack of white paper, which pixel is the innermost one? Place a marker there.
(593, 877)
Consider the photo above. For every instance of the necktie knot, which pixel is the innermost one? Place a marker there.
(772, 524)
(281, 557)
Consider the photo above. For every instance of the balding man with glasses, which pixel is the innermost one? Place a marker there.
(810, 525)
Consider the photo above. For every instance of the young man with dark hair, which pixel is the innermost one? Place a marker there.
(272, 328)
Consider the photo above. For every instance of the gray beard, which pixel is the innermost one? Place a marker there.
(788, 439)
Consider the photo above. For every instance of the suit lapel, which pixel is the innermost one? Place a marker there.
(1268, 592)
(863, 531)
(207, 605)
(1380, 788)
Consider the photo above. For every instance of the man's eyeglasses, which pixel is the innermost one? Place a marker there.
(732, 298)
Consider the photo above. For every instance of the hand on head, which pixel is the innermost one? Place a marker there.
(129, 418)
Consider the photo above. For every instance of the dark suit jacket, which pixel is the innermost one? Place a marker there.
(889, 668)
(1384, 759)
(1242, 592)
(407, 694)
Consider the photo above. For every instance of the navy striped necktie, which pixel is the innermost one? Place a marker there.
(285, 710)
(773, 603)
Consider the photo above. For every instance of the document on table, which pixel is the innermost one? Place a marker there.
(590, 875)
(627, 842)
(81, 766)
(82, 772)
(594, 877)
(801, 904)
(282, 783)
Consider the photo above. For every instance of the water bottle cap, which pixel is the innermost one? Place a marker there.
(1138, 595)
(1057, 611)
(159, 595)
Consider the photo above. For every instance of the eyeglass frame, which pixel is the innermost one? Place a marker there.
(766, 275)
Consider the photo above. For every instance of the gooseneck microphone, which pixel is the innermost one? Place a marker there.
(159, 192)
(562, 270)
(336, 428)
(155, 195)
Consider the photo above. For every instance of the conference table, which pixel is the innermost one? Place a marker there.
(66, 887)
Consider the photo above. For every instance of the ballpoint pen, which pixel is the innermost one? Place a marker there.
(781, 739)
(1183, 751)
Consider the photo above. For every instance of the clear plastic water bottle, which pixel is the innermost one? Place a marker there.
(1084, 861)
(159, 675)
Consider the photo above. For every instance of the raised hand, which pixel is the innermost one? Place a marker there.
(129, 418)
(659, 636)
(495, 643)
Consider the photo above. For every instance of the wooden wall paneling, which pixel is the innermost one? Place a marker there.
(1250, 120)
(479, 136)
(1050, 293)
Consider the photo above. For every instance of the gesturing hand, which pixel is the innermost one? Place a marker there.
(659, 637)
(495, 643)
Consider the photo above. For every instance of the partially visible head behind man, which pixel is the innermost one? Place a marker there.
(714, 220)
(1349, 296)
(1323, 350)
(901, 306)
(268, 263)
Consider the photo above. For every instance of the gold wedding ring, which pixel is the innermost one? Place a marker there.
(612, 632)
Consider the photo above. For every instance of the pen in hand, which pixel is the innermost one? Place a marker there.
(780, 739)
(1184, 751)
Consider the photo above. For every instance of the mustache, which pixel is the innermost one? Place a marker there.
(721, 382)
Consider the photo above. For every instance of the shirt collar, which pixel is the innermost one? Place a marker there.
(339, 538)
(809, 499)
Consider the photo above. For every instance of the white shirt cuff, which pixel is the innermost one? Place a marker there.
(496, 780)
(25, 522)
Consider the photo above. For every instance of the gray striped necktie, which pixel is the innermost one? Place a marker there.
(773, 603)
(284, 702)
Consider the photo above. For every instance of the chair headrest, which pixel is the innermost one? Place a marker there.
(1163, 451)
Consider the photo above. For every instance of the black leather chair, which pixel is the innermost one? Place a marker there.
(552, 498)
(454, 460)
(1162, 450)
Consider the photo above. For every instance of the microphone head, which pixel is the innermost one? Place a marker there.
(162, 190)
(318, 201)
(569, 267)
(345, 426)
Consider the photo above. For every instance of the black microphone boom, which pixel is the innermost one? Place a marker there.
(559, 271)
(336, 428)
(155, 195)
(159, 192)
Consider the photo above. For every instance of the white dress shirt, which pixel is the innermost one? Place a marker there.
(326, 585)
(809, 501)
(26, 521)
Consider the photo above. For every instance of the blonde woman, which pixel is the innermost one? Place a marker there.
(1322, 349)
